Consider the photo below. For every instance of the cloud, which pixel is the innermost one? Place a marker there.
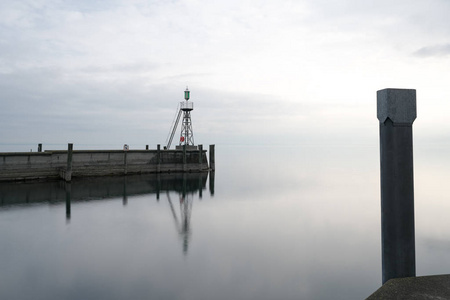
(433, 51)
(253, 69)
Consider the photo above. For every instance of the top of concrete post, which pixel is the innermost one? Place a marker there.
(399, 105)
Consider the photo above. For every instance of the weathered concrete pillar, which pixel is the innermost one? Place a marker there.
(396, 111)
(68, 173)
(39, 147)
(158, 158)
(212, 163)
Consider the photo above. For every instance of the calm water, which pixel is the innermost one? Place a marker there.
(272, 223)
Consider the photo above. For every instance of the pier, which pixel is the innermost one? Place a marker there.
(65, 164)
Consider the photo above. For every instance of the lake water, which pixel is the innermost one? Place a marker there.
(272, 223)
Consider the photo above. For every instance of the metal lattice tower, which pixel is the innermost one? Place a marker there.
(186, 135)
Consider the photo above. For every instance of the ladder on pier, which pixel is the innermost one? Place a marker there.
(174, 126)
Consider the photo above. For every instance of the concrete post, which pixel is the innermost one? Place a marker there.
(158, 158)
(68, 173)
(212, 163)
(39, 147)
(396, 111)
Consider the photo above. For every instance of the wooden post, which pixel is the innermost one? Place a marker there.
(158, 158)
(68, 173)
(125, 162)
(39, 147)
(200, 156)
(212, 163)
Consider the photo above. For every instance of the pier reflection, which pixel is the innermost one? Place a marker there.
(185, 185)
(96, 188)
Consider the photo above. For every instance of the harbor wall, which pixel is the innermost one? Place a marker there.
(82, 163)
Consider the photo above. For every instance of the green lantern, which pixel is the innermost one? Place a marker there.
(186, 94)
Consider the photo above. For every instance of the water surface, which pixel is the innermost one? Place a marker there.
(271, 223)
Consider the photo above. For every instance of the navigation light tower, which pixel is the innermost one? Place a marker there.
(187, 135)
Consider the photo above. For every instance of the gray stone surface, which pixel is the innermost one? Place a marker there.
(53, 164)
(399, 105)
(425, 287)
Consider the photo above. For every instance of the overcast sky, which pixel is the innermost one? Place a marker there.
(284, 72)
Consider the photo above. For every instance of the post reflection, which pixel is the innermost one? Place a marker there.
(68, 188)
(125, 194)
(182, 224)
(211, 182)
(183, 185)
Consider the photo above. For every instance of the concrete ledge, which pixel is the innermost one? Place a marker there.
(425, 287)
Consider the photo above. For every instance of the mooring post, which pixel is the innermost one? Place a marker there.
(212, 163)
(396, 112)
(158, 158)
(146, 147)
(68, 173)
(200, 156)
(125, 161)
(39, 147)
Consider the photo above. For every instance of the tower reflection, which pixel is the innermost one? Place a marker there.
(184, 185)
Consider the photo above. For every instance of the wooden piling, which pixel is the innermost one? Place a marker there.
(200, 156)
(158, 158)
(68, 172)
(212, 163)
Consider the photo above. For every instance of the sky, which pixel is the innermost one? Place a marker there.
(260, 72)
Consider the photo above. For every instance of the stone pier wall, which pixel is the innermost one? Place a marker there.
(53, 164)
